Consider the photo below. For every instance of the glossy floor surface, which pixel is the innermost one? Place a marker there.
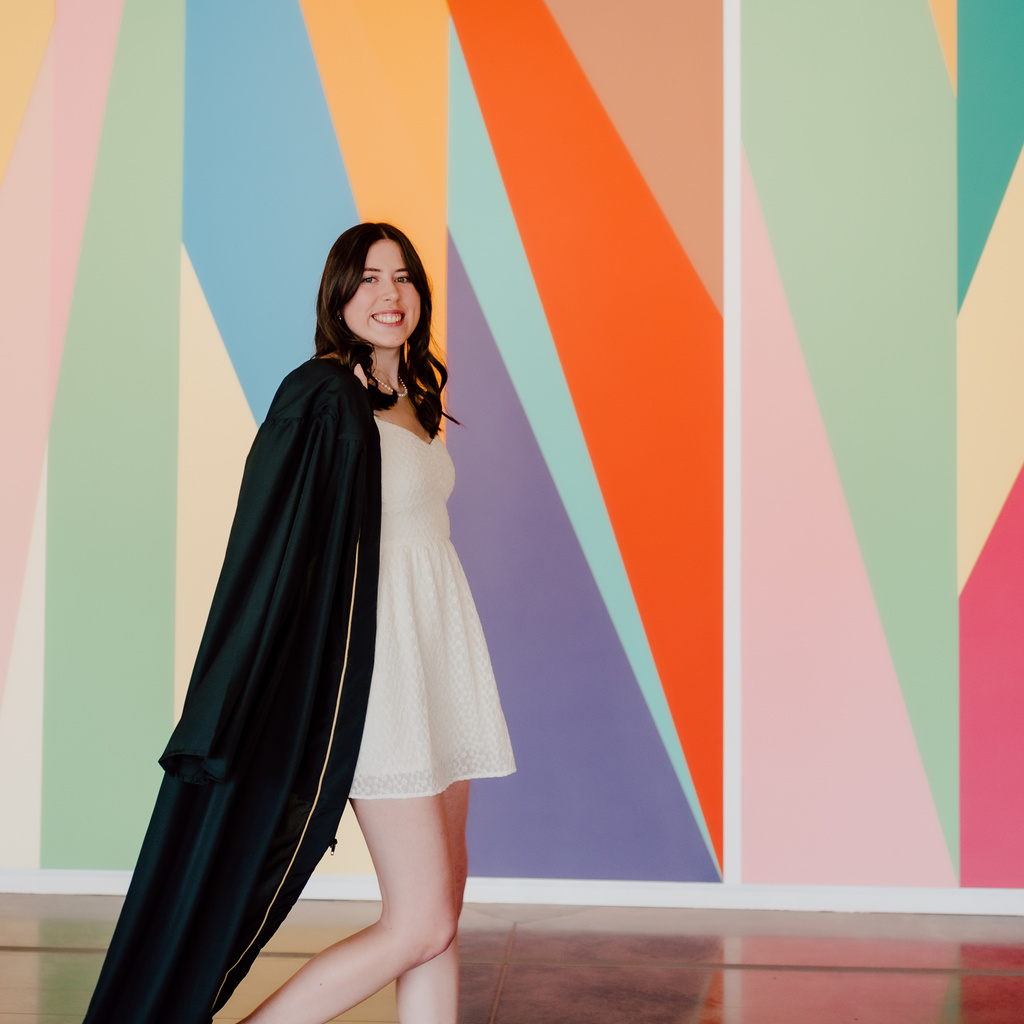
(547, 965)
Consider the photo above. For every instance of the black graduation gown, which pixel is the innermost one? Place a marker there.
(259, 767)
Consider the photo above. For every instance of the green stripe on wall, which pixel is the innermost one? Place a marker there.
(112, 468)
(849, 124)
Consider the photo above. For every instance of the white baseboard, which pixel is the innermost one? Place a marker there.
(64, 882)
(571, 892)
(711, 896)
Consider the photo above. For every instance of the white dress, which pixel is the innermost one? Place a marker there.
(433, 717)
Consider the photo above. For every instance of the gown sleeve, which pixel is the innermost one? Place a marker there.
(298, 506)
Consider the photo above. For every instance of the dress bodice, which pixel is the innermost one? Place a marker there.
(417, 477)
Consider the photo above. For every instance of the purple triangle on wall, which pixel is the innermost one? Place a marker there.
(595, 795)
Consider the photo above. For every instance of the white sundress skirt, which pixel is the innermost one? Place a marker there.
(433, 716)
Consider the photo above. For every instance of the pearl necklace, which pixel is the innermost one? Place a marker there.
(403, 393)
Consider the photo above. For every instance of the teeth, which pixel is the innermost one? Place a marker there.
(388, 318)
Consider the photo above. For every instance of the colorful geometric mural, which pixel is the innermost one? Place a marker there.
(164, 255)
(171, 178)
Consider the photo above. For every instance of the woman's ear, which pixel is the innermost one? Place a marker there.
(360, 374)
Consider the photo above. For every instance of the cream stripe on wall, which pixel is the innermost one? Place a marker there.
(215, 431)
(990, 368)
(21, 713)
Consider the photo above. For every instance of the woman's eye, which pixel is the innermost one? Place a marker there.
(368, 280)
(402, 280)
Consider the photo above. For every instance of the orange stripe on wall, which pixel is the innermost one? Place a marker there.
(24, 32)
(640, 343)
(944, 13)
(384, 69)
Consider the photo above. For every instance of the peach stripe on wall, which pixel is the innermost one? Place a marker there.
(662, 88)
(24, 328)
(84, 38)
(834, 792)
(386, 81)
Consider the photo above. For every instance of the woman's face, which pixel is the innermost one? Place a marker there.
(386, 306)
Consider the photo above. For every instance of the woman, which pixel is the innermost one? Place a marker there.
(338, 569)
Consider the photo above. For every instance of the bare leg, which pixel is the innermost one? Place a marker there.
(429, 993)
(410, 846)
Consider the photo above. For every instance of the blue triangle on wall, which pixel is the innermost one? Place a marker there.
(265, 188)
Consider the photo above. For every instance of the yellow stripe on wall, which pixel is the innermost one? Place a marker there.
(944, 14)
(24, 31)
(384, 68)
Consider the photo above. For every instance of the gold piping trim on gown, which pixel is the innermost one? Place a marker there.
(319, 786)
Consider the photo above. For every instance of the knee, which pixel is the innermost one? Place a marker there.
(431, 937)
(438, 937)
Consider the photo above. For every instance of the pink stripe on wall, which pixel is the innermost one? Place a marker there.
(24, 336)
(44, 199)
(834, 792)
(84, 39)
(992, 705)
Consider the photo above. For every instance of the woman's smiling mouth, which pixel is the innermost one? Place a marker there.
(389, 318)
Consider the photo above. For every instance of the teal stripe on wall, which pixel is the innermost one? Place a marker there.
(990, 118)
(112, 469)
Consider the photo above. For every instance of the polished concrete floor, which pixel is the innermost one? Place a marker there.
(547, 965)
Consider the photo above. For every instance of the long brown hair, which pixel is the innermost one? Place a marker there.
(423, 373)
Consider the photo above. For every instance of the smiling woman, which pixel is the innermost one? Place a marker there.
(373, 316)
(343, 658)
(386, 306)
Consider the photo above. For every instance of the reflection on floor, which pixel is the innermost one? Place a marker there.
(546, 965)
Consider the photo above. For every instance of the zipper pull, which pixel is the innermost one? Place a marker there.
(334, 845)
